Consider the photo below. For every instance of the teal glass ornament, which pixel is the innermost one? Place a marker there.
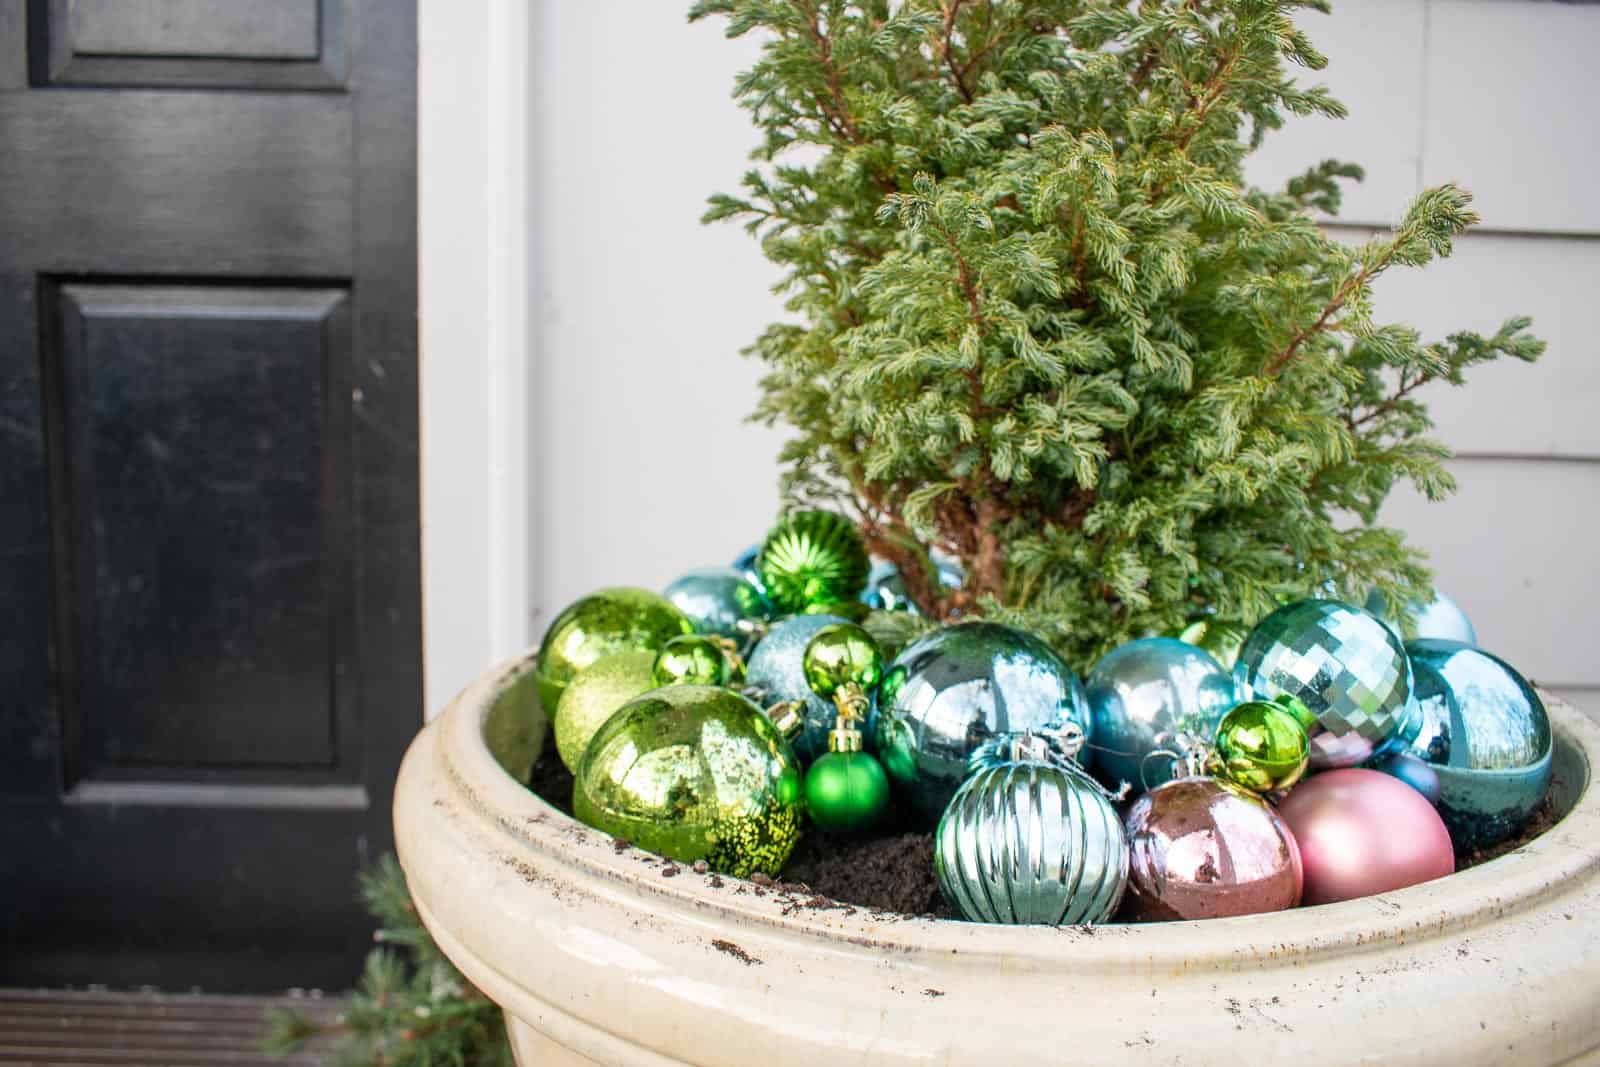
(601, 624)
(1150, 701)
(1339, 667)
(1481, 749)
(958, 687)
(812, 558)
(723, 602)
(776, 672)
(691, 659)
(886, 588)
(1029, 838)
(745, 564)
(1440, 618)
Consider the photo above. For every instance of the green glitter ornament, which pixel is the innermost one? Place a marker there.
(691, 659)
(1262, 746)
(694, 772)
(813, 558)
(594, 695)
(601, 624)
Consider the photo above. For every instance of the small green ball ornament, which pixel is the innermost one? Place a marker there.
(694, 772)
(1262, 746)
(842, 655)
(601, 624)
(813, 558)
(1222, 639)
(846, 792)
(691, 659)
(594, 695)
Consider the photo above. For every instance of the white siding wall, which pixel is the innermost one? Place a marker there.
(644, 468)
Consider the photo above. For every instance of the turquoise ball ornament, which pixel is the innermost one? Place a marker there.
(1480, 748)
(1030, 839)
(886, 587)
(601, 624)
(1340, 669)
(722, 602)
(776, 672)
(812, 559)
(1439, 618)
(745, 564)
(949, 692)
(1152, 701)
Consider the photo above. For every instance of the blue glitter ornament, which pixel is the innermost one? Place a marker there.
(1439, 618)
(949, 692)
(1152, 696)
(1339, 668)
(886, 589)
(777, 670)
(722, 602)
(1480, 748)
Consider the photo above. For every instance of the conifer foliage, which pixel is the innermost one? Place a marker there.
(1042, 324)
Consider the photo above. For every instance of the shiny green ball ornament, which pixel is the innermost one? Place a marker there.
(1262, 747)
(601, 624)
(1222, 639)
(694, 772)
(846, 792)
(812, 558)
(690, 659)
(594, 695)
(841, 655)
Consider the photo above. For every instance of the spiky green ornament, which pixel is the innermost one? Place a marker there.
(813, 559)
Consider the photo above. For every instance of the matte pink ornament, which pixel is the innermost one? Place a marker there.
(1359, 834)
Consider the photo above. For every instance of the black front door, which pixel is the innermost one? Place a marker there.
(210, 652)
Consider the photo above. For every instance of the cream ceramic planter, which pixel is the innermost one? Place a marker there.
(613, 957)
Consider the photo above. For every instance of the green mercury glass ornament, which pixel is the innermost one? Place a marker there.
(694, 772)
(1262, 747)
(691, 659)
(594, 695)
(812, 558)
(603, 623)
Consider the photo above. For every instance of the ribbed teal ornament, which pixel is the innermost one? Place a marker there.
(812, 558)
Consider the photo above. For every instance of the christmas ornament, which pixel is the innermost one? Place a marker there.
(851, 610)
(846, 789)
(894, 630)
(1142, 697)
(886, 588)
(1481, 751)
(1262, 747)
(776, 672)
(812, 557)
(1362, 832)
(594, 695)
(610, 621)
(745, 564)
(1202, 848)
(723, 602)
(694, 772)
(1438, 618)
(958, 687)
(1346, 673)
(842, 663)
(690, 659)
(1030, 838)
(1221, 639)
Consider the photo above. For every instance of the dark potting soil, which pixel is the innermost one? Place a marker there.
(892, 870)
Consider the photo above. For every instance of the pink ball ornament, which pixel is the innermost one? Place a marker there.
(1360, 835)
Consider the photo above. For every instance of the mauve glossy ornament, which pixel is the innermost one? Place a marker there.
(722, 602)
(1341, 665)
(1203, 848)
(949, 692)
(1439, 618)
(1031, 840)
(776, 670)
(1362, 832)
(812, 559)
(613, 620)
(1147, 699)
(886, 589)
(1481, 750)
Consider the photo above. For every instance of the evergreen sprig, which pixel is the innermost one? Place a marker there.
(1042, 324)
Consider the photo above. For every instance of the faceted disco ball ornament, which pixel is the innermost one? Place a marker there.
(952, 690)
(1030, 840)
(777, 671)
(594, 695)
(1439, 618)
(1147, 698)
(694, 772)
(1481, 748)
(886, 588)
(722, 602)
(1338, 667)
(1202, 848)
(812, 558)
(600, 624)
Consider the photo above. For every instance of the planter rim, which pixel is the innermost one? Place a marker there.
(526, 830)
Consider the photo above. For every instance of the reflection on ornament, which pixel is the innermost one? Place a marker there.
(1262, 747)
(1146, 695)
(812, 558)
(594, 695)
(603, 623)
(723, 602)
(1221, 639)
(745, 564)
(690, 659)
(886, 587)
(1341, 664)
(691, 773)
(1439, 618)
(776, 670)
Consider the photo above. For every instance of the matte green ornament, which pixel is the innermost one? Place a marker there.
(691, 659)
(594, 695)
(1262, 746)
(846, 792)
(813, 558)
(694, 772)
(601, 624)
(842, 655)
